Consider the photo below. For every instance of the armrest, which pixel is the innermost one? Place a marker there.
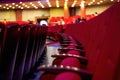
(83, 60)
(76, 45)
(67, 49)
(82, 52)
(65, 42)
(64, 45)
(58, 69)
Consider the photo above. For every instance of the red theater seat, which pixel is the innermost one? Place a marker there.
(2, 36)
(68, 76)
(71, 46)
(73, 52)
(70, 61)
(48, 76)
(8, 57)
(21, 52)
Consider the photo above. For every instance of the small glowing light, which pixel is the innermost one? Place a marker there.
(0, 5)
(43, 66)
(10, 6)
(13, 7)
(31, 3)
(89, 4)
(20, 2)
(23, 4)
(6, 4)
(36, 7)
(61, 66)
(98, 3)
(49, 5)
(28, 7)
(93, 0)
(4, 7)
(101, 1)
(68, 67)
(55, 66)
(13, 3)
(75, 1)
(19, 6)
(111, 0)
(75, 68)
(43, 7)
(66, 0)
(7, 8)
(22, 8)
(16, 5)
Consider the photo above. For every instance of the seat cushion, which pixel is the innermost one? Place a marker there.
(68, 76)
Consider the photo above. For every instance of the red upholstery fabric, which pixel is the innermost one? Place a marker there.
(56, 61)
(73, 42)
(68, 76)
(100, 38)
(70, 47)
(48, 76)
(73, 52)
(70, 61)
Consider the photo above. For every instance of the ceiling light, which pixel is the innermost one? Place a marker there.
(48, 3)
(89, 4)
(28, 7)
(20, 2)
(93, 0)
(21, 8)
(4, 7)
(31, 3)
(75, 1)
(23, 4)
(6, 4)
(36, 7)
(101, 1)
(98, 3)
(8, 8)
(13, 3)
(13, 7)
(41, 4)
(16, 5)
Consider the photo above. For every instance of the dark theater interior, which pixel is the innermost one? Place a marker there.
(59, 39)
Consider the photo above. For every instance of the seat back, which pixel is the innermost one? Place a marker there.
(100, 39)
(21, 52)
(9, 51)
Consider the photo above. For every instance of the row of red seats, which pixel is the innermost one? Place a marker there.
(53, 20)
(68, 63)
(21, 46)
(101, 40)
